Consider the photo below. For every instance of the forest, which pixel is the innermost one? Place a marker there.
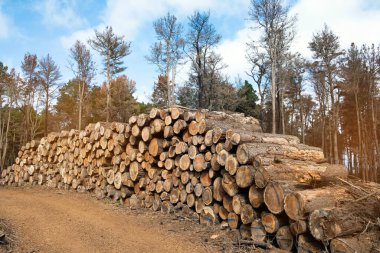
(330, 101)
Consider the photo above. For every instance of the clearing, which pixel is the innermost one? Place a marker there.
(61, 221)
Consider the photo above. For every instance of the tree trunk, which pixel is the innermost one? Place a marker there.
(108, 105)
(273, 90)
(46, 112)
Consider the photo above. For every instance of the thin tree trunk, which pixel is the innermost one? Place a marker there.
(81, 93)
(108, 86)
(359, 130)
(168, 73)
(334, 120)
(273, 91)
(5, 147)
(174, 73)
(302, 119)
(46, 111)
(282, 112)
(374, 127)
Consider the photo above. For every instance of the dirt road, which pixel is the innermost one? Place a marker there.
(61, 221)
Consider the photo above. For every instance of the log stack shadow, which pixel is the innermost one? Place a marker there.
(217, 167)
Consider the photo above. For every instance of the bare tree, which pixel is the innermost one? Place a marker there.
(201, 39)
(326, 49)
(259, 73)
(48, 75)
(30, 97)
(7, 98)
(167, 52)
(272, 18)
(113, 48)
(83, 68)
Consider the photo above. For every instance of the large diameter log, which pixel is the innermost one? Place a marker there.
(247, 152)
(329, 223)
(299, 204)
(366, 243)
(301, 171)
(274, 195)
(239, 136)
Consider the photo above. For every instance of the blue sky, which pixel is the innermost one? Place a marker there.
(52, 26)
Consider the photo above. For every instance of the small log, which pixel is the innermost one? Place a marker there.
(184, 162)
(218, 191)
(247, 214)
(229, 185)
(284, 238)
(258, 231)
(199, 205)
(205, 179)
(199, 162)
(271, 222)
(135, 171)
(237, 202)
(307, 244)
(233, 220)
(207, 216)
(207, 196)
(298, 227)
(275, 192)
(245, 231)
(245, 176)
(117, 180)
(231, 164)
(155, 147)
(190, 200)
(256, 196)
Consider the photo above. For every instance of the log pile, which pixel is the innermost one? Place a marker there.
(215, 166)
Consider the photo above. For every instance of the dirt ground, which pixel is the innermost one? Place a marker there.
(43, 220)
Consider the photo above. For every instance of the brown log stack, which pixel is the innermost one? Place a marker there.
(216, 166)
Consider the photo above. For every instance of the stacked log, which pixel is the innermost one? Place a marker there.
(215, 166)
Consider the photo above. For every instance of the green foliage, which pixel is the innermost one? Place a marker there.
(247, 100)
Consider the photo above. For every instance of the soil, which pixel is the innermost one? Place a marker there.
(49, 220)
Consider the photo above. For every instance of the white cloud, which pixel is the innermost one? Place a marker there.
(60, 13)
(4, 24)
(81, 35)
(351, 20)
(233, 52)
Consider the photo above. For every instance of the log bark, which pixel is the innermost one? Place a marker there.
(298, 205)
(329, 223)
(247, 152)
